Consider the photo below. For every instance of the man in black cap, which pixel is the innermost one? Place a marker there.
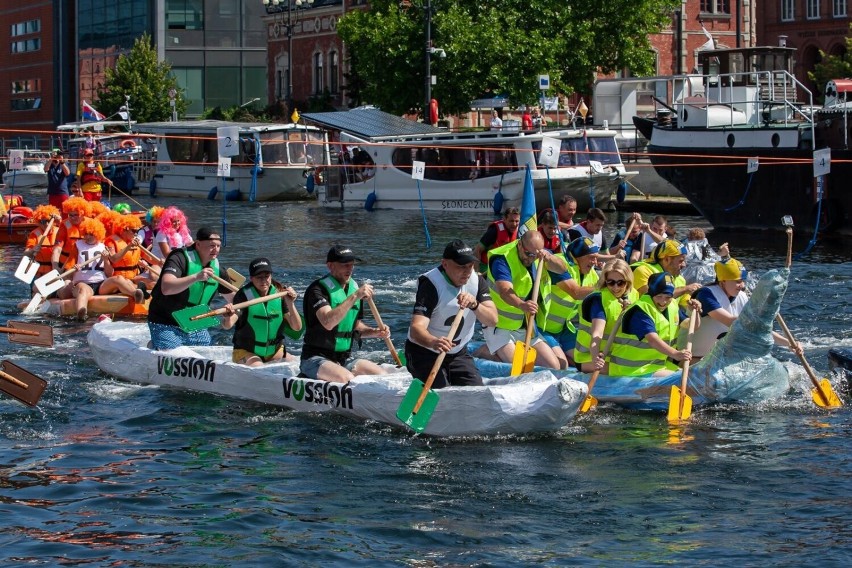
(441, 293)
(259, 330)
(186, 280)
(333, 318)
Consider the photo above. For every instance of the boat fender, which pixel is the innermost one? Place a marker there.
(370, 202)
(152, 188)
(233, 195)
(621, 193)
(498, 202)
(309, 184)
(211, 195)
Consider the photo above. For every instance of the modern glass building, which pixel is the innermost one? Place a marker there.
(217, 48)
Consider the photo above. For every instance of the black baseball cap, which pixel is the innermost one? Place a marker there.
(459, 252)
(207, 234)
(340, 253)
(259, 266)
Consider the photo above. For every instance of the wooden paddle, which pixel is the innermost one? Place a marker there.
(524, 359)
(194, 318)
(225, 283)
(29, 333)
(591, 401)
(28, 267)
(388, 341)
(420, 400)
(49, 283)
(823, 394)
(237, 278)
(680, 403)
(20, 384)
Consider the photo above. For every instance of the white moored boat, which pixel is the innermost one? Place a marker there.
(535, 402)
(463, 171)
(31, 175)
(273, 164)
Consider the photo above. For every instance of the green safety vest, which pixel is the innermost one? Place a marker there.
(612, 309)
(200, 293)
(631, 357)
(510, 317)
(336, 296)
(560, 308)
(265, 321)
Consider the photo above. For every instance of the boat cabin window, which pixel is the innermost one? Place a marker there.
(193, 149)
(453, 164)
(578, 151)
(293, 147)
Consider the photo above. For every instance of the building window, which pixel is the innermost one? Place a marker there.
(26, 86)
(333, 65)
(185, 14)
(716, 6)
(788, 10)
(26, 45)
(840, 8)
(26, 104)
(23, 28)
(813, 9)
(319, 83)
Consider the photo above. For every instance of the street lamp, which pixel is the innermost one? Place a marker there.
(247, 103)
(430, 50)
(279, 7)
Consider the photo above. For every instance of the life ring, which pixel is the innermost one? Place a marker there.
(128, 144)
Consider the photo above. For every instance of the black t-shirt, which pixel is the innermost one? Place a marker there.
(319, 340)
(489, 237)
(162, 306)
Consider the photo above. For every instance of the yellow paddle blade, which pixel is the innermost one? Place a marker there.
(524, 359)
(680, 405)
(825, 396)
(588, 404)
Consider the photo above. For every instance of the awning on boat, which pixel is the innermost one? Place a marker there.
(369, 123)
(489, 103)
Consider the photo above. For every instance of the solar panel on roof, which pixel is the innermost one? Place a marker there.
(369, 123)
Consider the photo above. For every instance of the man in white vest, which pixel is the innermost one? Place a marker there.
(441, 293)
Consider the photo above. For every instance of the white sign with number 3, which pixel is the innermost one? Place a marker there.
(224, 168)
(549, 155)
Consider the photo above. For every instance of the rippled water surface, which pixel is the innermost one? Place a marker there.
(105, 473)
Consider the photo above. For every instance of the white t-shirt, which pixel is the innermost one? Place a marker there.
(93, 273)
(163, 238)
(496, 123)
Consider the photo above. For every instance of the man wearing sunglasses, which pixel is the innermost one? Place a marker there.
(511, 274)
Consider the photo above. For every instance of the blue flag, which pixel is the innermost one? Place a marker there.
(528, 209)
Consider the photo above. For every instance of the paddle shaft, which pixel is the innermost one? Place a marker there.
(241, 305)
(627, 237)
(19, 331)
(225, 283)
(810, 372)
(534, 297)
(608, 347)
(13, 380)
(388, 341)
(438, 362)
(692, 319)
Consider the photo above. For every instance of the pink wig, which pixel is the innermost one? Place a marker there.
(166, 227)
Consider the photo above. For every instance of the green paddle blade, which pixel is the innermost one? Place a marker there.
(405, 412)
(825, 396)
(289, 332)
(184, 318)
(679, 409)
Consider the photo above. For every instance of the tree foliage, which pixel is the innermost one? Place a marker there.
(495, 47)
(833, 66)
(146, 79)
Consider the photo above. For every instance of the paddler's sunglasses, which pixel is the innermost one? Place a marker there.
(527, 253)
(616, 282)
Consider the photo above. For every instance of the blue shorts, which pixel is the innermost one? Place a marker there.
(566, 339)
(310, 366)
(164, 337)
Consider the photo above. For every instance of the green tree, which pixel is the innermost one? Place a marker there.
(832, 66)
(146, 80)
(496, 46)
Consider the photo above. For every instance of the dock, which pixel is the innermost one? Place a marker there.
(660, 204)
